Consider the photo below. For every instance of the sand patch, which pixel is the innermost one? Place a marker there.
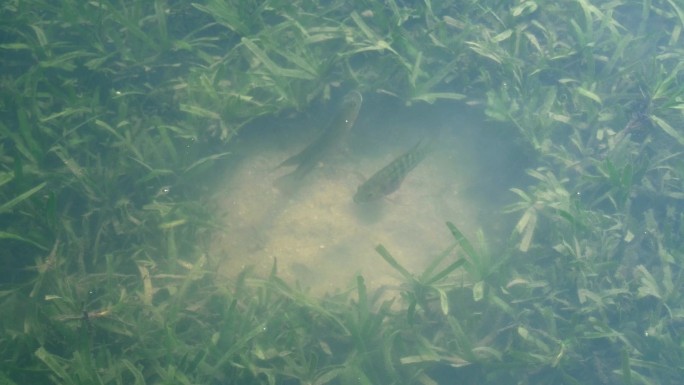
(318, 235)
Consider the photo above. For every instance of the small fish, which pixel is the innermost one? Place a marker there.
(389, 178)
(337, 128)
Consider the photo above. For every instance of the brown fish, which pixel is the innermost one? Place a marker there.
(337, 128)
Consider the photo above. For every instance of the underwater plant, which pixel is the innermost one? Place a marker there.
(117, 114)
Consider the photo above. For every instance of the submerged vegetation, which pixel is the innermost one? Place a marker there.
(114, 112)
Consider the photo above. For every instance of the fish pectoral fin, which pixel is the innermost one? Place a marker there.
(392, 187)
(287, 184)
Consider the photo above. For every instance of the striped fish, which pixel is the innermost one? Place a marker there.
(389, 178)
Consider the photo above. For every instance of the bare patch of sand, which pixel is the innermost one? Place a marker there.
(319, 236)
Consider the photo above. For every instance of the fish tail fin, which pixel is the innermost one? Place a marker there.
(287, 183)
(429, 141)
(425, 146)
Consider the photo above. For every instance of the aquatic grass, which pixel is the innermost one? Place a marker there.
(91, 207)
(550, 198)
(116, 113)
(242, 18)
(420, 290)
(289, 55)
(459, 341)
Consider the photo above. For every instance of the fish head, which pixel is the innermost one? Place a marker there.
(353, 98)
(351, 106)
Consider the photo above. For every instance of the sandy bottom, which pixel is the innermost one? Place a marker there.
(319, 237)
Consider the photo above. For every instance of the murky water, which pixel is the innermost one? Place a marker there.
(318, 235)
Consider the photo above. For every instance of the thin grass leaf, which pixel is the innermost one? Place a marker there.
(6, 235)
(678, 11)
(443, 301)
(487, 353)
(33, 150)
(502, 36)
(66, 113)
(465, 346)
(168, 146)
(415, 70)
(365, 29)
(228, 15)
(4, 380)
(7, 206)
(427, 274)
(445, 272)
(665, 126)
(148, 290)
(40, 35)
(206, 159)
(125, 141)
(431, 97)
(135, 371)
(329, 375)
(69, 162)
(273, 68)
(526, 226)
(130, 25)
(393, 262)
(522, 194)
(423, 89)
(361, 291)
(524, 8)
(485, 52)
(649, 285)
(626, 368)
(533, 40)
(584, 294)
(199, 111)
(589, 94)
(478, 291)
(52, 362)
(303, 299)
(65, 62)
(15, 46)
(377, 43)
(160, 17)
(463, 241)
(172, 224)
(6, 177)
(84, 368)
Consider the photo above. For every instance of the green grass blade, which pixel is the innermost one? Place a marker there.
(6, 235)
(27, 194)
(135, 371)
(206, 159)
(53, 364)
(271, 65)
(393, 262)
(5, 177)
(446, 271)
(463, 241)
